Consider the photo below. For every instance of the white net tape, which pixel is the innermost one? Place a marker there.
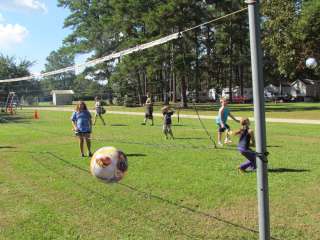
(117, 54)
(98, 60)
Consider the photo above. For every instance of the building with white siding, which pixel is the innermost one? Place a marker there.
(62, 97)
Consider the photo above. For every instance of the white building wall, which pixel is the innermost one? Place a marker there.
(54, 99)
(62, 99)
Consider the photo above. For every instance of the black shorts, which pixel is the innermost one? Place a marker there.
(148, 115)
(222, 129)
(83, 134)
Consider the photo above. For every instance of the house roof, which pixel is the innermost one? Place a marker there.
(71, 92)
(285, 84)
(306, 81)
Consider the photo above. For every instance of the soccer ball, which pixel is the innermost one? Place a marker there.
(311, 63)
(109, 164)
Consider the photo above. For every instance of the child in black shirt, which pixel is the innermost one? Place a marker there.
(148, 112)
(167, 113)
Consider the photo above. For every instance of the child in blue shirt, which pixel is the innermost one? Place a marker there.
(221, 121)
(82, 125)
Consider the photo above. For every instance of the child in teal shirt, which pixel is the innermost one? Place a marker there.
(221, 121)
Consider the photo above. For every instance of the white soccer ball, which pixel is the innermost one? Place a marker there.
(109, 164)
(311, 63)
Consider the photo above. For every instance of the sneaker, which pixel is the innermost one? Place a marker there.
(220, 144)
(82, 155)
(227, 141)
(90, 154)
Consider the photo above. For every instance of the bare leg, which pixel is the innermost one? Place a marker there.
(102, 119)
(95, 119)
(88, 141)
(165, 131)
(81, 139)
(227, 138)
(219, 138)
(170, 132)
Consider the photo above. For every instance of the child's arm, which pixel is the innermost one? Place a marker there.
(74, 125)
(253, 142)
(74, 121)
(233, 117)
(238, 132)
(220, 116)
(90, 121)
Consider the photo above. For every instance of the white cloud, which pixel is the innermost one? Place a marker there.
(10, 35)
(1, 18)
(23, 5)
(32, 4)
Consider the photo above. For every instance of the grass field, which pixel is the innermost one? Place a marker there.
(298, 110)
(174, 189)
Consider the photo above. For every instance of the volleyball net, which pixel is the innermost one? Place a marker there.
(118, 54)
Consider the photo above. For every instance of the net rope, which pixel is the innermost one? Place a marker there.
(119, 54)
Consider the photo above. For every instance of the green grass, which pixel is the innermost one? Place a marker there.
(279, 110)
(174, 189)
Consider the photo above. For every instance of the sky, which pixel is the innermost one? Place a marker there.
(31, 29)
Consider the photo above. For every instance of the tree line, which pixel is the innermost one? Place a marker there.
(213, 56)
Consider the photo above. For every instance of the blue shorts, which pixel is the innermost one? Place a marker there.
(222, 129)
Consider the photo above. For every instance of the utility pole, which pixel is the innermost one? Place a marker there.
(260, 122)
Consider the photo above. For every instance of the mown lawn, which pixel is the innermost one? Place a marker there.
(299, 110)
(174, 189)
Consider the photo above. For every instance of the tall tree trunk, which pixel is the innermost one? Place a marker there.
(174, 87)
(241, 78)
(140, 92)
(209, 58)
(183, 85)
(183, 91)
(145, 81)
(197, 72)
(173, 76)
(231, 63)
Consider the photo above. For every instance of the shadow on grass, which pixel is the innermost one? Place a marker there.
(5, 119)
(162, 199)
(106, 197)
(118, 125)
(136, 155)
(287, 170)
(190, 138)
(6, 147)
(193, 210)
